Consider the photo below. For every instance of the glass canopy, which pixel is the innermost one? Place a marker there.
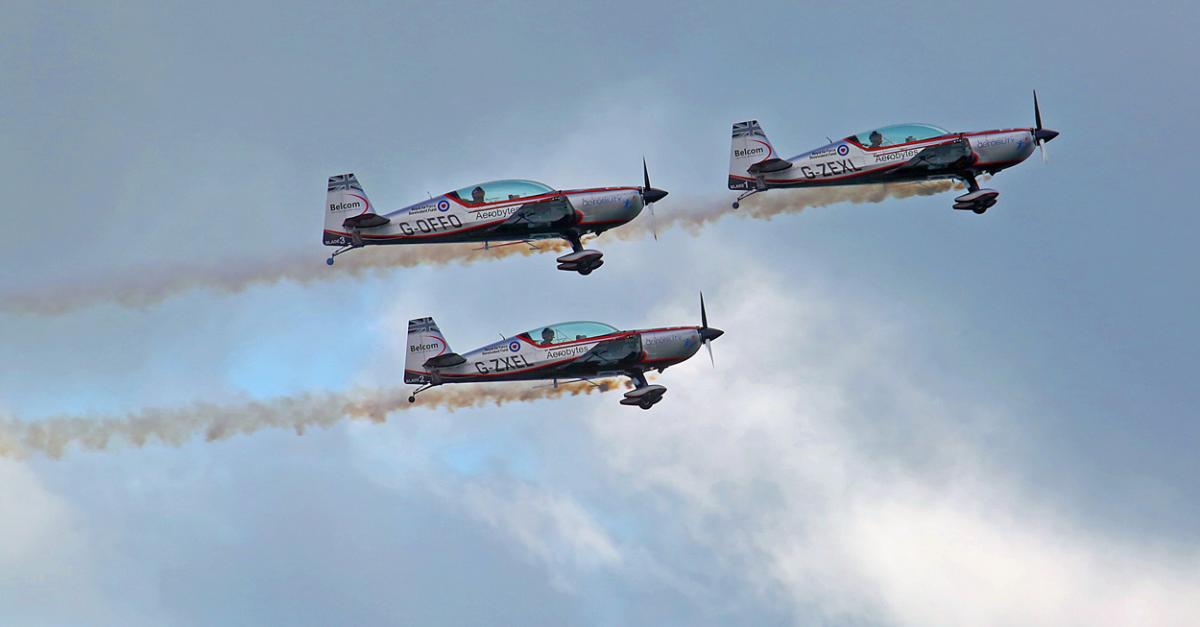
(898, 134)
(495, 191)
(568, 332)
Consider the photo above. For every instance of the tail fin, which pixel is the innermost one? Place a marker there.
(751, 153)
(347, 208)
(425, 342)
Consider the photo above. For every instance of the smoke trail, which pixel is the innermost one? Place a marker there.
(152, 286)
(693, 218)
(175, 427)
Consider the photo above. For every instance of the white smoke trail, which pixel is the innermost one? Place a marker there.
(174, 427)
(151, 286)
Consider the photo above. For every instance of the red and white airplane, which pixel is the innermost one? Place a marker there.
(558, 352)
(903, 152)
(496, 211)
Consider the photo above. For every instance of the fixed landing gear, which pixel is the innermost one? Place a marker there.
(355, 242)
(746, 194)
(760, 185)
(976, 199)
(412, 398)
(643, 395)
(344, 249)
(580, 260)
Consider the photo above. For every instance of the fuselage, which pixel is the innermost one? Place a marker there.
(450, 218)
(852, 161)
(525, 357)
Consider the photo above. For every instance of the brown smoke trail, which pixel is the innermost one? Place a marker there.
(175, 427)
(693, 218)
(152, 286)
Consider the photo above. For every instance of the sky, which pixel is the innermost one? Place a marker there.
(917, 416)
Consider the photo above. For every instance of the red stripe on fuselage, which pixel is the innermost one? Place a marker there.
(940, 138)
(823, 179)
(600, 338)
(546, 196)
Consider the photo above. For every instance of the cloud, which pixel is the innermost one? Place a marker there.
(979, 555)
(48, 559)
(786, 481)
(812, 471)
(552, 528)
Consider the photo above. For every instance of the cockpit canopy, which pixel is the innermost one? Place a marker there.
(897, 134)
(568, 332)
(495, 191)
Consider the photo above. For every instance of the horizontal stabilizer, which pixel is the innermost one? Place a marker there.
(774, 164)
(445, 360)
(364, 221)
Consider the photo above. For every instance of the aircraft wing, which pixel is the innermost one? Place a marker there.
(550, 212)
(953, 154)
(612, 353)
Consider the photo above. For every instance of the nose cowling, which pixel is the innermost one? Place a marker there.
(710, 333)
(651, 194)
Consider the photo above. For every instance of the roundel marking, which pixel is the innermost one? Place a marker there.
(514, 346)
(843, 150)
(443, 205)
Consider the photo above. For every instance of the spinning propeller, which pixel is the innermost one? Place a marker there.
(707, 333)
(1041, 135)
(650, 196)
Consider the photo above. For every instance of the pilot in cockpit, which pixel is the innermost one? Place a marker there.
(477, 195)
(876, 139)
(547, 336)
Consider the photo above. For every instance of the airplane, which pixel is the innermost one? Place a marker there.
(903, 152)
(514, 211)
(564, 351)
